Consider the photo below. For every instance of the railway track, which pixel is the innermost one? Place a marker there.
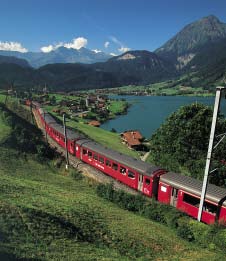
(85, 169)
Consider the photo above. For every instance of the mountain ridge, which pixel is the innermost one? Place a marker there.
(60, 55)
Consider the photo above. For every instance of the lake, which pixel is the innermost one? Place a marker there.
(147, 113)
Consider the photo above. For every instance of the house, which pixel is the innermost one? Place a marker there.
(56, 110)
(132, 138)
(94, 123)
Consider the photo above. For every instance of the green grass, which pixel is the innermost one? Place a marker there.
(42, 208)
(117, 107)
(4, 129)
(2, 97)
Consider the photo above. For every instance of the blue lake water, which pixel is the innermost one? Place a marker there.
(147, 113)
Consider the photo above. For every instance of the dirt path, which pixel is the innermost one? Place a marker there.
(145, 156)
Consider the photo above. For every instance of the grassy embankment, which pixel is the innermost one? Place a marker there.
(47, 215)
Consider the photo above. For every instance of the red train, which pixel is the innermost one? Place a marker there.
(169, 188)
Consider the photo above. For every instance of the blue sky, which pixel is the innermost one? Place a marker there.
(117, 24)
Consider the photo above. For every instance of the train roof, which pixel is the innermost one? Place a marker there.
(71, 135)
(36, 104)
(40, 110)
(138, 165)
(193, 186)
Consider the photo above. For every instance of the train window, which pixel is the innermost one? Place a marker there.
(115, 166)
(84, 152)
(131, 174)
(147, 181)
(108, 163)
(191, 200)
(101, 160)
(95, 156)
(122, 170)
(89, 154)
(208, 207)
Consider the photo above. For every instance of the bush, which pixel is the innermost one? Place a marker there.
(76, 174)
(183, 230)
(200, 231)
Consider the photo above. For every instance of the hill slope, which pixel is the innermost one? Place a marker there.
(143, 68)
(49, 216)
(13, 60)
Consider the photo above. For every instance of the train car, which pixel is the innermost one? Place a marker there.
(56, 132)
(184, 193)
(36, 105)
(41, 116)
(130, 171)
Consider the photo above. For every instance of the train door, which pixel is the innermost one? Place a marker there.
(174, 197)
(155, 186)
(140, 182)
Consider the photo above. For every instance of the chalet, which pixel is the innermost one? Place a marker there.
(132, 138)
(56, 110)
(94, 123)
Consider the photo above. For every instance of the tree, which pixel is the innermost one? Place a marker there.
(182, 141)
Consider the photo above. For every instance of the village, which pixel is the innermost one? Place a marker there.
(91, 108)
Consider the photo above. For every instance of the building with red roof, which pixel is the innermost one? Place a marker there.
(132, 138)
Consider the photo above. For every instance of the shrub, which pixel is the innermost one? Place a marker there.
(76, 174)
(200, 231)
(183, 230)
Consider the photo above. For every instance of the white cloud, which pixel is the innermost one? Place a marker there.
(96, 51)
(113, 54)
(47, 49)
(12, 46)
(76, 43)
(116, 41)
(124, 49)
(106, 44)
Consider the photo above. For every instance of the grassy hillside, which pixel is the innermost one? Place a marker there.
(48, 215)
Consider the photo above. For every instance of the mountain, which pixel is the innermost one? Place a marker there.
(137, 67)
(13, 60)
(133, 67)
(185, 45)
(60, 55)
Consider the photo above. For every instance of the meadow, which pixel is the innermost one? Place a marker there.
(47, 214)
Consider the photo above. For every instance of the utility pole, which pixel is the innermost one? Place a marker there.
(219, 91)
(65, 135)
(32, 119)
(6, 97)
(44, 114)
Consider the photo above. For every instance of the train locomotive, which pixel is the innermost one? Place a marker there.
(170, 188)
